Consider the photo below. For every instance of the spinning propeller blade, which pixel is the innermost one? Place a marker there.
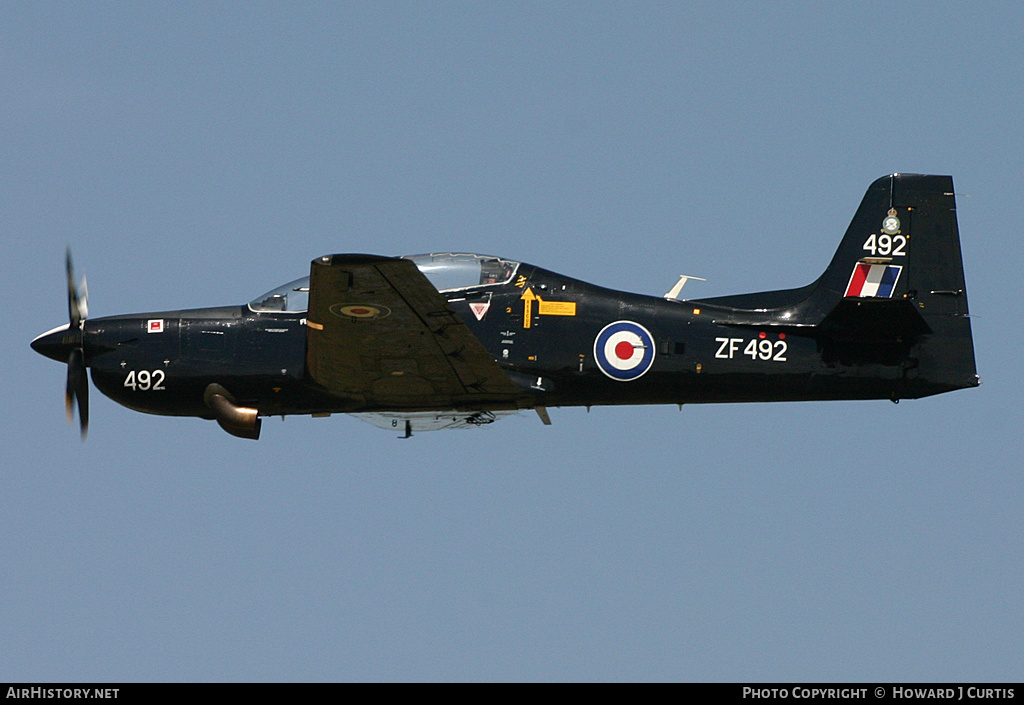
(77, 388)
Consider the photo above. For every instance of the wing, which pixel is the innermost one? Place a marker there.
(381, 336)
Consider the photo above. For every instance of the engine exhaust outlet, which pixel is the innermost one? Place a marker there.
(240, 421)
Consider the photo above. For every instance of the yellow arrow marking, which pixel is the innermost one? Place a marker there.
(544, 308)
(528, 298)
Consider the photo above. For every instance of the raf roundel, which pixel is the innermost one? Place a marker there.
(624, 350)
(363, 312)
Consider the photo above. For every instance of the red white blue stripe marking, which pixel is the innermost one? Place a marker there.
(873, 280)
(624, 350)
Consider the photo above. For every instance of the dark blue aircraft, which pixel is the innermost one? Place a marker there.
(459, 340)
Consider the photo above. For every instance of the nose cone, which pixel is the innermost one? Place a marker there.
(58, 343)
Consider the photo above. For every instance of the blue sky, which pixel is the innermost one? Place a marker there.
(197, 154)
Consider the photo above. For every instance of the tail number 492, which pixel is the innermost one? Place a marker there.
(146, 380)
(886, 245)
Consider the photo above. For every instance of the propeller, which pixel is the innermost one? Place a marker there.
(77, 389)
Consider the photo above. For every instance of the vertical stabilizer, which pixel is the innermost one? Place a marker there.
(898, 276)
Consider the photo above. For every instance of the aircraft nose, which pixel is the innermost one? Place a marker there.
(58, 343)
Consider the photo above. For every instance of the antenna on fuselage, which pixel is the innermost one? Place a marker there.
(673, 293)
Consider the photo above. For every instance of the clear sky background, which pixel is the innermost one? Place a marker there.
(197, 154)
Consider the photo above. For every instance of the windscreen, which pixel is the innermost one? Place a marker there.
(293, 296)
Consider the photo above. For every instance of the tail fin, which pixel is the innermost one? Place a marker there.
(902, 243)
(894, 292)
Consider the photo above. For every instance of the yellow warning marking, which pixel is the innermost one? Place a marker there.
(544, 308)
(556, 308)
(528, 299)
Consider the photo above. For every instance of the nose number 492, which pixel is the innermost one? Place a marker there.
(146, 380)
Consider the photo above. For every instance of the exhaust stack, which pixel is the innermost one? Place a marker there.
(240, 421)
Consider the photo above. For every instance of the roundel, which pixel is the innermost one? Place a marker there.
(624, 350)
(360, 311)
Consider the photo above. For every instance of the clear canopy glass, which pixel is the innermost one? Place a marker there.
(293, 296)
(447, 271)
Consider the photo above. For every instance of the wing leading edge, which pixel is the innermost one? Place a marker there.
(382, 337)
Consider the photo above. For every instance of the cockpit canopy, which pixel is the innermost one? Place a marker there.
(446, 271)
(293, 296)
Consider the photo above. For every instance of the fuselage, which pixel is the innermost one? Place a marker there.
(555, 337)
(403, 341)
